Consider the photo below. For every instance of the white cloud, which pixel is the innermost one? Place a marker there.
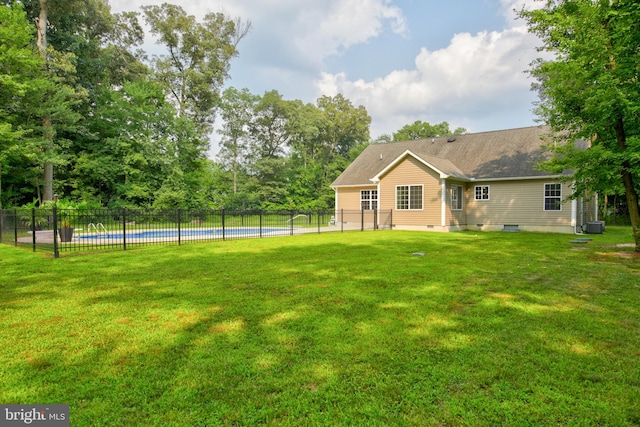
(303, 34)
(511, 7)
(476, 81)
(344, 24)
(296, 35)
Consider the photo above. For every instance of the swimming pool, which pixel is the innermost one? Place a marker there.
(162, 234)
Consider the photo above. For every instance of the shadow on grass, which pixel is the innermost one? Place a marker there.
(480, 330)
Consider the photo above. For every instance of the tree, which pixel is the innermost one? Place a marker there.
(421, 130)
(270, 128)
(270, 134)
(198, 58)
(343, 126)
(147, 156)
(237, 110)
(46, 108)
(320, 138)
(53, 102)
(19, 66)
(306, 121)
(589, 91)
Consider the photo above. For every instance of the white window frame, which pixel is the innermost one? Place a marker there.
(482, 192)
(457, 195)
(371, 200)
(548, 197)
(409, 188)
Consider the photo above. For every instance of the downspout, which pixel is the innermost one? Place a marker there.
(443, 205)
(378, 203)
(574, 217)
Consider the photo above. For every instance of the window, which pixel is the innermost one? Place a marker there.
(409, 197)
(456, 197)
(482, 192)
(369, 199)
(552, 197)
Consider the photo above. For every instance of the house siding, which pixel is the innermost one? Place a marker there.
(518, 203)
(457, 219)
(349, 197)
(411, 172)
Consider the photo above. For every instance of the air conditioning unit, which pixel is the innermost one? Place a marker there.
(595, 227)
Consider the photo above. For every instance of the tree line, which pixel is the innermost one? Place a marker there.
(85, 114)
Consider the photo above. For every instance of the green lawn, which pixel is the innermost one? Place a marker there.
(331, 329)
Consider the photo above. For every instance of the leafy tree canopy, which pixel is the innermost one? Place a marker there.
(421, 130)
(589, 91)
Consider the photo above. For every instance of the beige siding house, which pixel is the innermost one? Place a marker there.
(482, 181)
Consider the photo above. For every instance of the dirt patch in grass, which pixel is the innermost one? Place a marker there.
(627, 255)
(621, 254)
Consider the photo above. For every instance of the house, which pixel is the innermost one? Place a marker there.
(483, 181)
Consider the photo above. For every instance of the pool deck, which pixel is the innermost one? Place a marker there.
(46, 236)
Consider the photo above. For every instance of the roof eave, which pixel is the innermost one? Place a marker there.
(351, 185)
(517, 178)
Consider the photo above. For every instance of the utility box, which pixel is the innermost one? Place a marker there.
(595, 227)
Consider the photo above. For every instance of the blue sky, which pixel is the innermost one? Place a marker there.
(460, 61)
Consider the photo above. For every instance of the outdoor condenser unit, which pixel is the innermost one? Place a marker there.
(596, 227)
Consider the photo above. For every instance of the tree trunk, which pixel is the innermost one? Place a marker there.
(42, 27)
(629, 187)
(47, 191)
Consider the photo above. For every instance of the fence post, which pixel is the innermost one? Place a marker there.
(124, 229)
(361, 219)
(15, 227)
(260, 214)
(291, 220)
(179, 219)
(56, 252)
(33, 229)
(223, 228)
(342, 220)
(318, 221)
(391, 219)
(375, 219)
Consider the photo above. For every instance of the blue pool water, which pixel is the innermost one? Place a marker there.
(150, 234)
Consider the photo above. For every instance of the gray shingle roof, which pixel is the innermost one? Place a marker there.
(500, 154)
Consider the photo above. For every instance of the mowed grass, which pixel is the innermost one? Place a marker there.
(332, 329)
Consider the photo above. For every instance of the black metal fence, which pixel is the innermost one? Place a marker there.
(82, 230)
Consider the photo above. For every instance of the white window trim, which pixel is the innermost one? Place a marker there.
(545, 197)
(475, 193)
(454, 187)
(370, 200)
(409, 197)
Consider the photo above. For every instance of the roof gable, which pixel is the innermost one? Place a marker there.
(505, 154)
(442, 167)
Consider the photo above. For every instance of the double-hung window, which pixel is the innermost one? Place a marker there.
(481, 192)
(552, 197)
(456, 197)
(409, 197)
(368, 199)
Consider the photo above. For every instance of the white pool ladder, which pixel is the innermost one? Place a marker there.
(296, 217)
(98, 228)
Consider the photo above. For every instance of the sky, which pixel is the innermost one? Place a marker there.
(459, 61)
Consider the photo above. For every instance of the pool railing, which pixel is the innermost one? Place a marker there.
(76, 230)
